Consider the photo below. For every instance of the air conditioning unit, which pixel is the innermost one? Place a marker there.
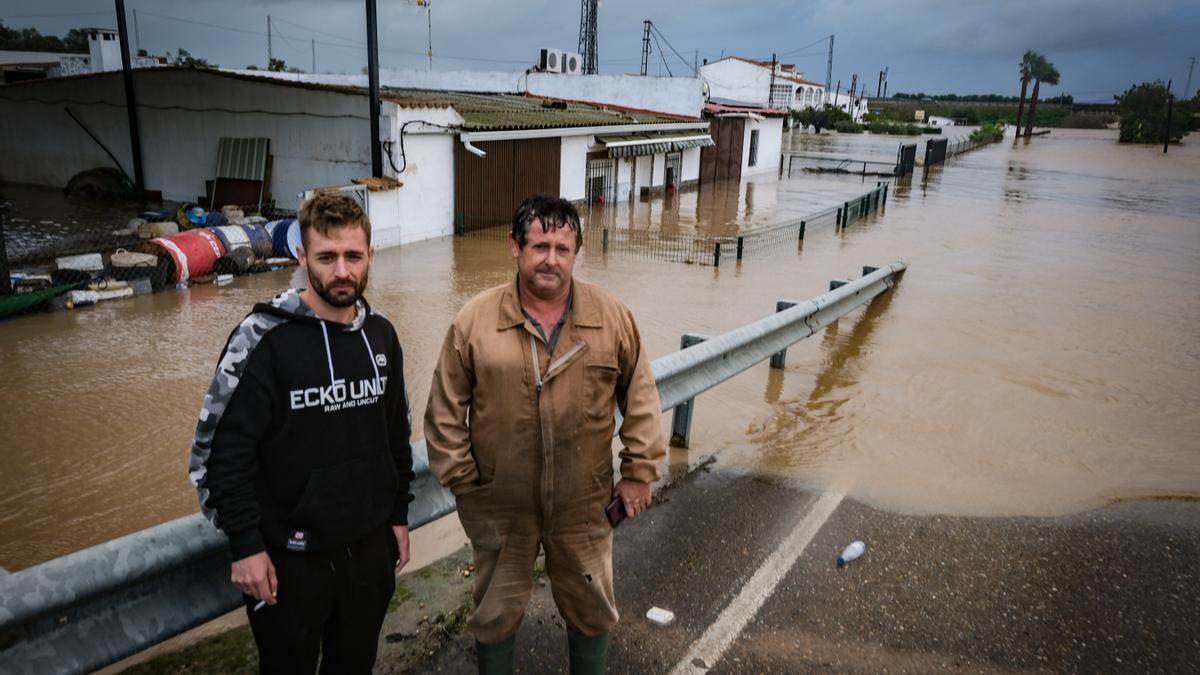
(550, 61)
(572, 63)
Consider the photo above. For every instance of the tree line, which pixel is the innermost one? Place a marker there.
(1061, 99)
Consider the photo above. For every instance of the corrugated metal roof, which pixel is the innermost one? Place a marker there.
(489, 112)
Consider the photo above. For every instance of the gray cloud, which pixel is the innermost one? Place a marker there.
(1100, 46)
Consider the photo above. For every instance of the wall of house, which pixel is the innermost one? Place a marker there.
(770, 140)
(424, 207)
(317, 137)
(691, 165)
(674, 95)
(573, 175)
(737, 80)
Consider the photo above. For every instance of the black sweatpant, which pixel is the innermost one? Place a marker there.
(330, 604)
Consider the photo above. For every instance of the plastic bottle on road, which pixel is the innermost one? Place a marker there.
(854, 550)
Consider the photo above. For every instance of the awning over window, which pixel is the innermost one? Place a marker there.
(637, 145)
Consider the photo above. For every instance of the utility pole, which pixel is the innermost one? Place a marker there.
(373, 85)
(829, 69)
(771, 88)
(270, 54)
(314, 56)
(137, 34)
(1170, 110)
(696, 62)
(135, 141)
(587, 35)
(429, 32)
(879, 86)
(1187, 88)
(645, 46)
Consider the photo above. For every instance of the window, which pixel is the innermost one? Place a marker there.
(753, 148)
(780, 95)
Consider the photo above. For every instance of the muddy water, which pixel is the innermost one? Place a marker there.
(1041, 355)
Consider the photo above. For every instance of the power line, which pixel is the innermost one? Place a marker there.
(664, 39)
(660, 54)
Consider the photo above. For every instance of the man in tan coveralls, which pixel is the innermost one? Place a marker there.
(520, 424)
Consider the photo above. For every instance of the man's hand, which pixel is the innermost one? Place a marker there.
(635, 494)
(255, 575)
(401, 532)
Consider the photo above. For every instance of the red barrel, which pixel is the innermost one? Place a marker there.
(193, 252)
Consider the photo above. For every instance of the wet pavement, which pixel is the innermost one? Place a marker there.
(1111, 590)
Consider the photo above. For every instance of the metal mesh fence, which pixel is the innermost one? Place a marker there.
(706, 249)
(960, 144)
(119, 250)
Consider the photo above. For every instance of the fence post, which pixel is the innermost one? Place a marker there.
(681, 418)
(802, 225)
(839, 218)
(740, 246)
(604, 241)
(717, 255)
(5, 280)
(779, 357)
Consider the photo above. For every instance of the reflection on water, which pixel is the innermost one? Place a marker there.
(1040, 356)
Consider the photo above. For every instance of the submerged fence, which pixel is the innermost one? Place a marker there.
(97, 606)
(707, 249)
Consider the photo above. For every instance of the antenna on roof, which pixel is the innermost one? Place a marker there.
(587, 35)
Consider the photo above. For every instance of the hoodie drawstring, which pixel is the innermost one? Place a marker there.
(370, 353)
(329, 354)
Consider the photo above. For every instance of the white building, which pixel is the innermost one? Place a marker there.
(747, 141)
(104, 54)
(734, 78)
(319, 136)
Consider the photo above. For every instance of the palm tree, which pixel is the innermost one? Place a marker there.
(1043, 71)
(1026, 66)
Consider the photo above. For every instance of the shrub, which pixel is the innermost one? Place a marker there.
(988, 133)
(1143, 111)
(847, 127)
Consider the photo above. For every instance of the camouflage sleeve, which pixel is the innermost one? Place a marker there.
(222, 468)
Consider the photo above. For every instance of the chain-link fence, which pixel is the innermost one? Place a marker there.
(85, 254)
(706, 249)
(960, 144)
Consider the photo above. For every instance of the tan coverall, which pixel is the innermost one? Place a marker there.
(524, 441)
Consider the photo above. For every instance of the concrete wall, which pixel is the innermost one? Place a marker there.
(424, 207)
(572, 174)
(674, 95)
(770, 140)
(318, 138)
(691, 164)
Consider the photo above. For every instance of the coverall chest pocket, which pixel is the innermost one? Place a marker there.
(599, 388)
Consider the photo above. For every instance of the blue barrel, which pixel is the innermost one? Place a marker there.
(249, 235)
(293, 239)
(278, 229)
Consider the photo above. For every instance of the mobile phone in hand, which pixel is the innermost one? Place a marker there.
(615, 511)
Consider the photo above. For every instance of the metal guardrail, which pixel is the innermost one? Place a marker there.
(94, 607)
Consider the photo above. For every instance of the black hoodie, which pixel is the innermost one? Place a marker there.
(303, 438)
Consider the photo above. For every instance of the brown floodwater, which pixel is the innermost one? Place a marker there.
(1041, 355)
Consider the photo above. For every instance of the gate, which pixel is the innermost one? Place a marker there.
(906, 158)
(601, 181)
(935, 151)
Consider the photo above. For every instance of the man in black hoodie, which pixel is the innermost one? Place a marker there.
(302, 457)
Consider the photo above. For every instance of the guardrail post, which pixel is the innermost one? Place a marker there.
(837, 283)
(604, 245)
(740, 247)
(779, 357)
(717, 255)
(867, 269)
(681, 418)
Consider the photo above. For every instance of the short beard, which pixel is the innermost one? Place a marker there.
(334, 300)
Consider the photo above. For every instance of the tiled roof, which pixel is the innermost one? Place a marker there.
(485, 112)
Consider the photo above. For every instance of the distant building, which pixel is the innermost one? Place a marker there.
(734, 78)
(104, 54)
(747, 140)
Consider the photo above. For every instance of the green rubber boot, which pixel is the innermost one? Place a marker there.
(496, 659)
(588, 654)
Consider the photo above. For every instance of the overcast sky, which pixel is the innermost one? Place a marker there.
(969, 46)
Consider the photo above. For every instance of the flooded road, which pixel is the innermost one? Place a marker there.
(1041, 355)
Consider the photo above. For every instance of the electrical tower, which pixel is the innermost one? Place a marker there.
(587, 35)
(645, 45)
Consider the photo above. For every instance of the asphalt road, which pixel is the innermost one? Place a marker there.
(1112, 590)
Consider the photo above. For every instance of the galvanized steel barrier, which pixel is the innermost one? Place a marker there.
(94, 607)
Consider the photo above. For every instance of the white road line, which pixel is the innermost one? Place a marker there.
(709, 648)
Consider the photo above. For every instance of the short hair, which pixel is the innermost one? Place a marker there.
(554, 213)
(326, 211)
